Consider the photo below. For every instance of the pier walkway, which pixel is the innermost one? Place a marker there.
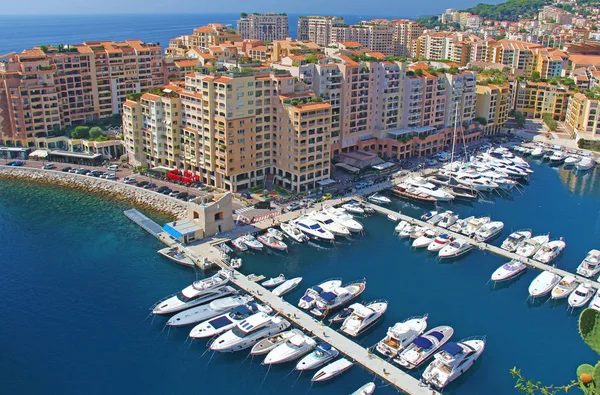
(485, 246)
(353, 351)
(144, 222)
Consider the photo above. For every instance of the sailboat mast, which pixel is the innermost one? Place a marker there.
(454, 137)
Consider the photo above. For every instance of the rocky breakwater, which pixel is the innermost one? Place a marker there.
(139, 197)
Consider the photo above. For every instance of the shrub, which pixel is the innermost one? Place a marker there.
(81, 132)
(95, 132)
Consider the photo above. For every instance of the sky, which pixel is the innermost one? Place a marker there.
(315, 7)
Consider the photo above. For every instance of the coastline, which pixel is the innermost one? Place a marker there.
(108, 189)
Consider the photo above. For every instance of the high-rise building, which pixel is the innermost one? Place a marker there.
(494, 103)
(317, 29)
(583, 115)
(47, 88)
(213, 34)
(534, 99)
(265, 27)
(406, 32)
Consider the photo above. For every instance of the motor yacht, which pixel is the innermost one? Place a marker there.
(595, 303)
(452, 361)
(344, 313)
(366, 389)
(328, 302)
(272, 242)
(474, 224)
(549, 251)
(379, 199)
(538, 152)
(239, 244)
(417, 231)
(353, 208)
(343, 218)
(274, 281)
(501, 179)
(252, 243)
(448, 219)
(424, 186)
(411, 193)
(424, 346)
(276, 233)
(363, 317)
(456, 248)
(476, 182)
(332, 370)
(401, 335)
(489, 231)
(581, 296)
(509, 271)
(249, 332)
(293, 232)
(287, 286)
(585, 163)
(440, 242)
(329, 224)
(294, 348)
(428, 215)
(313, 229)
(572, 160)
(564, 288)
(428, 237)
(224, 322)
(210, 310)
(515, 239)
(460, 226)
(268, 344)
(401, 226)
(307, 301)
(557, 157)
(532, 245)
(434, 219)
(407, 231)
(590, 266)
(200, 292)
(322, 354)
(543, 284)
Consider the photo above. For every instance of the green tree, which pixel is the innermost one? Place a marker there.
(81, 132)
(535, 75)
(96, 132)
(243, 15)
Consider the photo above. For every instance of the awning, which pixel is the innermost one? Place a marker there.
(345, 166)
(40, 153)
(326, 182)
(383, 166)
(181, 228)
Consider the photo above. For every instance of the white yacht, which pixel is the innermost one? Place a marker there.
(509, 271)
(448, 219)
(294, 348)
(557, 157)
(428, 237)
(428, 215)
(327, 223)
(239, 244)
(252, 243)
(249, 332)
(452, 361)
(293, 232)
(572, 160)
(343, 218)
(460, 226)
(266, 345)
(585, 163)
(208, 311)
(353, 208)
(515, 239)
(595, 303)
(332, 370)
(379, 199)
(406, 231)
(543, 284)
(322, 354)
(476, 182)
(532, 245)
(201, 291)
(590, 266)
(363, 316)
(272, 242)
(401, 226)
(424, 346)
(401, 335)
(474, 224)
(274, 281)
(564, 288)
(440, 242)
(224, 322)
(489, 231)
(538, 152)
(328, 302)
(417, 231)
(276, 233)
(435, 218)
(549, 251)
(366, 389)
(582, 294)
(307, 301)
(457, 248)
(287, 286)
(424, 186)
(311, 228)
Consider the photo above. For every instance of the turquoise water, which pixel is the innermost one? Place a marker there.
(77, 279)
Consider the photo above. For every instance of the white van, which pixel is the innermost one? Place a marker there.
(113, 167)
(49, 166)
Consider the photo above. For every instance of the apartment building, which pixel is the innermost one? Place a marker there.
(406, 32)
(48, 88)
(213, 34)
(550, 62)
(454, 46)
(377, 35)
(583, 115)
(518, 55)
(265, 27)
(494, 103)
(234, 131)
(534, 99)
(317, 29)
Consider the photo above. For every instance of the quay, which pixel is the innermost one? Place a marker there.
(485, 247)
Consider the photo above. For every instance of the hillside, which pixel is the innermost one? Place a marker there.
(510, 10)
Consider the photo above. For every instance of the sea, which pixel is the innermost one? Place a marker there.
(77, 280)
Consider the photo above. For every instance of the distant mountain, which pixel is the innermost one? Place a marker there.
(511, 10)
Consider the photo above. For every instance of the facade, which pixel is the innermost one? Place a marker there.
(213, 34)
(583, 115)
(48, 88)
(518, 55)
(534, 99)
(494, 103)
(406, 32)
(265, 27)
(317, 29)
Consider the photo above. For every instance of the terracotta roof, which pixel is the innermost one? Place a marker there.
(130, 103)
(150, 96)
(377, 55)
(579, 60)
(32, 53)
(223, 79)
(350, 44)
(313, 107)
(186, 62)
(348, 61)
(203, 29)
(259, 48)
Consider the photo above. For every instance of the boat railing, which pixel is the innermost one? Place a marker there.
(162, 300)
(475, 337)
(358, 281)
(415, 317)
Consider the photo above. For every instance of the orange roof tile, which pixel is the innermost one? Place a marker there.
(313, 107)
(350, 44)
(186, 62)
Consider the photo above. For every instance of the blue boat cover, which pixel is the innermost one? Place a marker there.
(324, 346)
(327, 296)
(437, 335)
(444, 236)
(241, 310)
(318, 289)
(452, 348)
(422, 342)
(307, 298)
(220, 322)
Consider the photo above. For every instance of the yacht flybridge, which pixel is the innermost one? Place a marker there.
(424, 346)
(590, 266)
(452, 361)
(401, 335)
(313, 229)
(515, 239)
(363, 317)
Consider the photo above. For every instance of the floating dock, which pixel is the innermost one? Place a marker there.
(144, 222)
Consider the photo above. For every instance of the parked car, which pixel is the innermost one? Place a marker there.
(202, 187)
(182, 195)
(84, 171)
(191, 197)
(174, 193)
(113, 167)
(327, 196)
(246, 195)
(49, 166)
(129, 180)
(96, 173)
(15, 163)
(161, 189)
(67, 169)
(111, 176)
(142, 184)
(293, 207)
(167, 191)
(150, 185)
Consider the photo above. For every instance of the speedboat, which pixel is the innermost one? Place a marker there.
(425, 240)
(313, 229)
(341, 315)
(366, 389)
(474, 224)
(363, 316)
(590, 266)
(322, 354)
(582, 294)
(401, 335)
(327, 223)
(293, 232)
(489, 231)
(251, 242)
(287, 286)
(452, 361)
(509, 271)
(585, 163)
(434, 219)
(401, 226)
(515, 239)
(531, 246)
(417, 231)
(276, 233)
(440, 242)
(406, 232)
(595, 303)
(266, 345)
(537, 152)
(379, 199)
(200, 292)
(543, 284)
(448, 219)
(328, 302)
(353, 208)
(428, 215)
(460, 226)
(549, 251)
(208, 311)
(557, 157)
(273, 282)
(566, 285)
(424, 346)
(332, 370)
(307, 301)
(225, 322)
(294, 348)
(249, 332)
(239, 243)
(455, 249)
(571, 160)
(271, 241)
(343, 218)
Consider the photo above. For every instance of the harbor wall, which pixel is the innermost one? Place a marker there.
(140, 197)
